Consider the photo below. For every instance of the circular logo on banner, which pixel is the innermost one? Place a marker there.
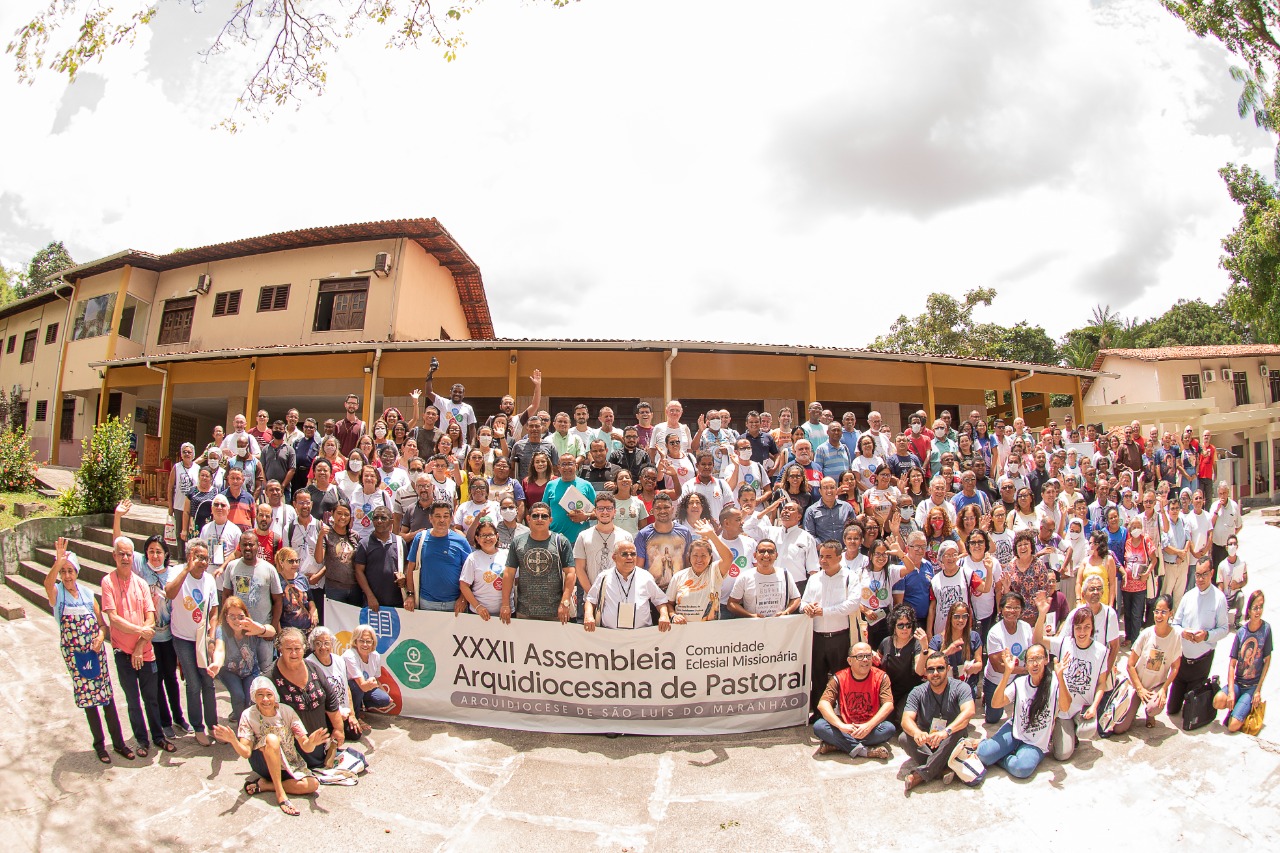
(413, 664)
(388, 683)
(385, 623)
(342, 642)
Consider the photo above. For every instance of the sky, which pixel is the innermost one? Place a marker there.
(798, 173)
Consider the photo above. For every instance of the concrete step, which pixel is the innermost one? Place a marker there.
(12, 606)
(1271, 511)
(91, 570)
(100, 537)
(33, 591)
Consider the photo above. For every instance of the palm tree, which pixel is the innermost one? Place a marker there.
(1078, 353)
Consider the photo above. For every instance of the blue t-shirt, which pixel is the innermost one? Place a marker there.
(1250, 652)
(439, 564)
(915, 589)
(560, 522)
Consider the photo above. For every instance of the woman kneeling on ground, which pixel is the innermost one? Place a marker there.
(269, 736)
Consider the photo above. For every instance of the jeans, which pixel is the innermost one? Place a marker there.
(991, 715)
(931, 763)
(440, 606)
(140, 688)
(167, 692)
(238, 690)
(1135, 611)
(202, 705)
(375, 698)
(829, 734)
(354, 596)
(1018, 758)
(1244, 702)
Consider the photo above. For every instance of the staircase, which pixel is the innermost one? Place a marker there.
(93, 551)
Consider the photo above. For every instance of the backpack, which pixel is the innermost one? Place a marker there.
(1116, 704)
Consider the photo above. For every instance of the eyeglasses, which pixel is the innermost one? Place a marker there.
(292, 560)
(959, 617)
(903, 625)
(933, 669)
(765, 551)
(861, 656)
(537, 515)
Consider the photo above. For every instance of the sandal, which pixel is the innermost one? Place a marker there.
(142, 751)
(288, 808)
(912, 780)
(880, 753)
(124, 752)
(251, 786)
(203, 739)
(103, 756)
(1151, 724)
(827, 749)
(167, 745)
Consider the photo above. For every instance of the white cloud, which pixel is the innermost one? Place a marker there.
(664, 169)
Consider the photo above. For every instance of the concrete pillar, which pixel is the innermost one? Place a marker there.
(236, 406)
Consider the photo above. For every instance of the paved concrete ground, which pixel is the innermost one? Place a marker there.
(438, 786)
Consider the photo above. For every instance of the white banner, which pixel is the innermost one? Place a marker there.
(738, 675)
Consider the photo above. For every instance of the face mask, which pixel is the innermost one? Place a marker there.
(354, 466)
(744, 455)
(278, 434)
(242, 452)
(508, 513)
(1231, 550)
(1135, 535)
(1074, 535)
(379, 433)
(915, 429)
(486, 440)
(714, 424)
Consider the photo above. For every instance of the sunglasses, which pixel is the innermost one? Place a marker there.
(539, 515)
(933, 669)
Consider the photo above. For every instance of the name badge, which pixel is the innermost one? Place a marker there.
(626, 615)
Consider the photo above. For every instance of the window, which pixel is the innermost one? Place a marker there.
(42, 410)
(340, 305)
(133, 319)
(51, 333)
(273, 298)
(12, 341)
(175, 322)
(227, 303)
(1191, 386)
(29, 347)
(92, 317)
(1274, 380)
(67, 427)
(1240, 380)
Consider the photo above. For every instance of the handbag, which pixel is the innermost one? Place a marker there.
(170, 531)
(1253, 722)
(964, 762)
(1115, 707)
(1197, 704)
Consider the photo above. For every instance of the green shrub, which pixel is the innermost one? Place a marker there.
(17, 462)
(107, 468)
(70, 502)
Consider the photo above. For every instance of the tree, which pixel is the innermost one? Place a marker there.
(12, 283)
(1191, 323)
(1021, 342)
(1246, 28)
(45, 266)
(290, 45)
(945, 327)
(1252, 256)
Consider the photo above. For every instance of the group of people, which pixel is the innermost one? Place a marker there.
(934, 586)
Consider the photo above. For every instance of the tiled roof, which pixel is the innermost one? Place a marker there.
(427, 233)
(624, 344)
(1175, 353)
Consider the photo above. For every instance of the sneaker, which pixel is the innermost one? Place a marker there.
(169, 732)
(188, 728)
(948, 777)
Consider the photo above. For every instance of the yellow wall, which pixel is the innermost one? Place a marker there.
(426, 298)
(1147, 381)
(38, 377)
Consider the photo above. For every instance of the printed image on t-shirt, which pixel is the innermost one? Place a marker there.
(664, 556)
(1078, 676)
(1155, 659)
(1034, 725)
(1250, 662)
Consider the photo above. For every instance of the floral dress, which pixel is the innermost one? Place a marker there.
(90, 678)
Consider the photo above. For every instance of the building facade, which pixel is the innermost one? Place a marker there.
(181, 342)
(1232, 390)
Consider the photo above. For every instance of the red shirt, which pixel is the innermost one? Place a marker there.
(268, 544)
(348, 434)
(858, 701)
(132, 600)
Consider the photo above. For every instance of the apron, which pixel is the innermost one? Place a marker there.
(90, 678)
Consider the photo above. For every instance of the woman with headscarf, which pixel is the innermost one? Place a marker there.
(272, 737)
(82, 638)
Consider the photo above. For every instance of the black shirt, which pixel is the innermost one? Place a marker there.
(381, 561)
(900, 664)
(596, 476)
(632, 460)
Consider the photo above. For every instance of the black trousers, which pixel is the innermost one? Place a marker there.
(168, 692)
(140, 688)
(830, 655)
(113, 726)
(1190, 673)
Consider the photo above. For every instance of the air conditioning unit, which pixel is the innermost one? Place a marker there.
(382, 263)
(203, 284)
(1227, 375)
(1264, 370)
(16, 391)
(1207, 376)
